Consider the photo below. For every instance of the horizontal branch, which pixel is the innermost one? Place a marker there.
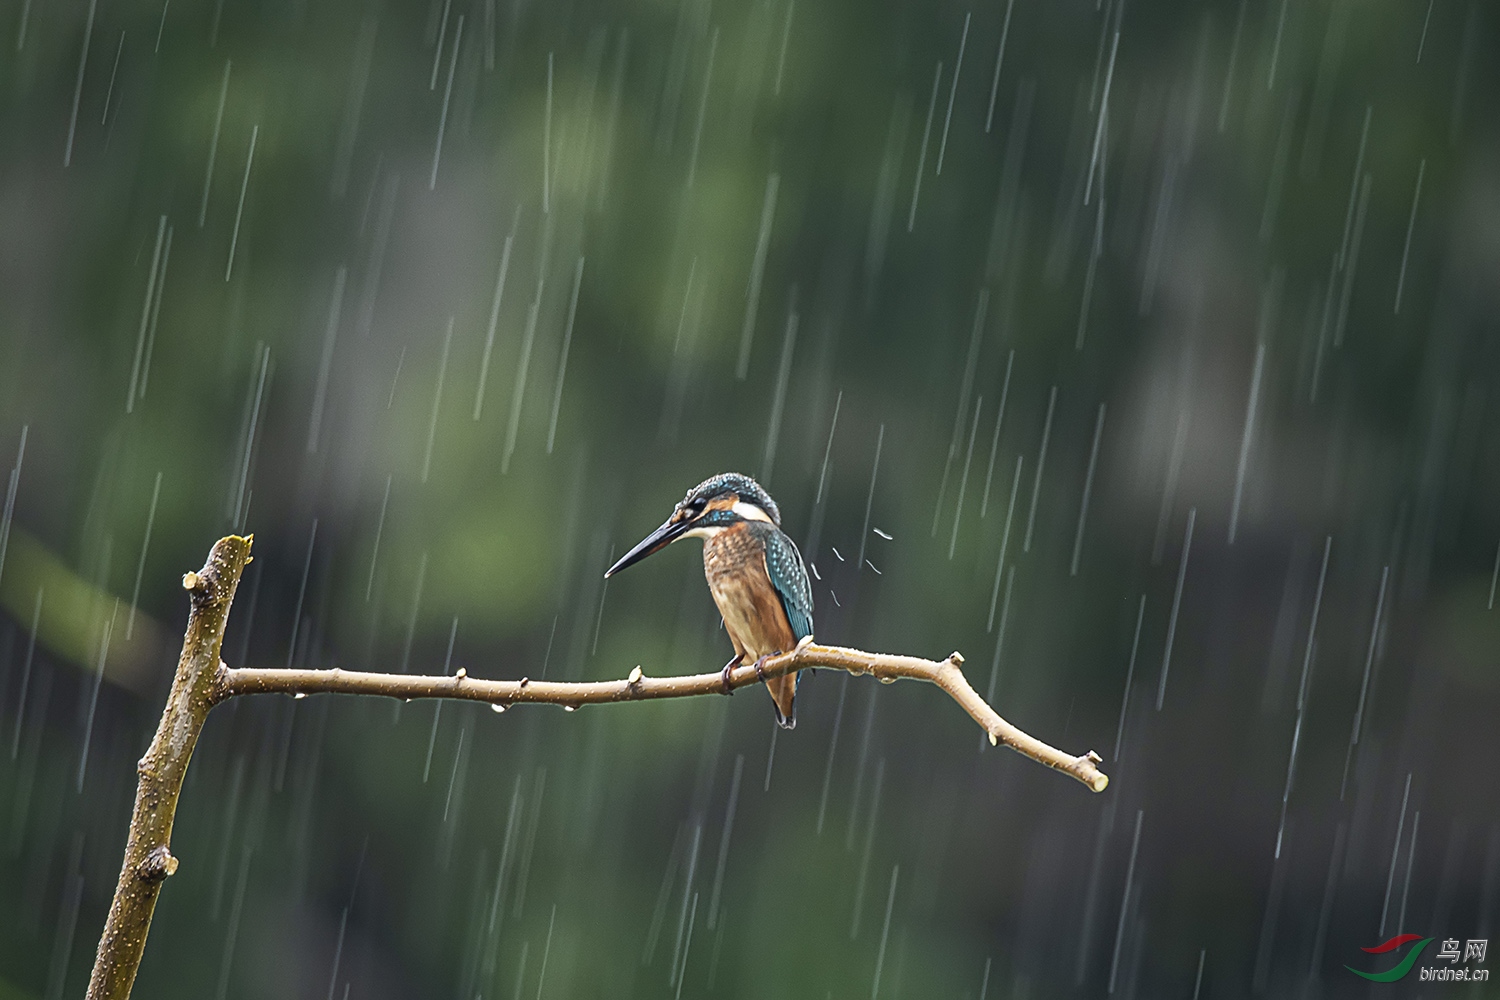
(501, 695)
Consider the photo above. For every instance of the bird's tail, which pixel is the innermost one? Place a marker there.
(783, 698)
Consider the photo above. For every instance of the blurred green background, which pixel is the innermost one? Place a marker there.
(1145, 352)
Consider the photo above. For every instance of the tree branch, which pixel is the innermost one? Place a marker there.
(945, 673)
(203, 681)
(148, 855)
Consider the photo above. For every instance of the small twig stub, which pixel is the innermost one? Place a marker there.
(158, 864)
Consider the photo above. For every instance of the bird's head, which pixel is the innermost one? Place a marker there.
(708, 508)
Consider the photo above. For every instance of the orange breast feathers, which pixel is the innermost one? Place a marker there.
(734, 562)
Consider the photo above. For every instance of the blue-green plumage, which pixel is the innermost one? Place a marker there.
(754, 571)
(789, 576)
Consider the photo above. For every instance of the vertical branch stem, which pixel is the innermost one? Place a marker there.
(148, 857)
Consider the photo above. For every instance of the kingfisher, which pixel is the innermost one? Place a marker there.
(754, 571)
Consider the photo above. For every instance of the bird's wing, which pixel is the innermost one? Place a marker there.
(789, 576)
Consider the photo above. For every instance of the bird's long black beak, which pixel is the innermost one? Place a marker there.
(654, 542)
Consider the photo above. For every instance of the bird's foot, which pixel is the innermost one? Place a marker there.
(759, 664)
(724, 674)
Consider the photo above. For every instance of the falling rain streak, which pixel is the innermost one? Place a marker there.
(213, 146)
(437, 401)
(519, 391)
(885, 932)
(239, 212)
(963, 482)
(1010, 363)
(1041, 463)
(489, 336)
(916, 188)
(976, 335)
(757, 274)
(12, 487)
(239, 506)
(1010, 510)
(1390, 880)
(1135, 647)
(1364, 684)
(146, 311)
(83, 58)
(1088, 488)
(1411, 225)
(1109, 77)
(1182, 567)
(325, 365)
(1307, 659)
(778, 399)
(1246, 437)
(989, 695)
(1135, 844)
(958, 67)
(437, 149)
(989, 121)
(864, 534)
(562, 364)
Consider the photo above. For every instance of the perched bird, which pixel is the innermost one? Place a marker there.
(754, 572)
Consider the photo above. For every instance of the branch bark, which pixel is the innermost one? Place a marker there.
(946, 674)
(203, 681)
(148, 855)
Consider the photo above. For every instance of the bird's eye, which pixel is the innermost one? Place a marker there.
(696, 506)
